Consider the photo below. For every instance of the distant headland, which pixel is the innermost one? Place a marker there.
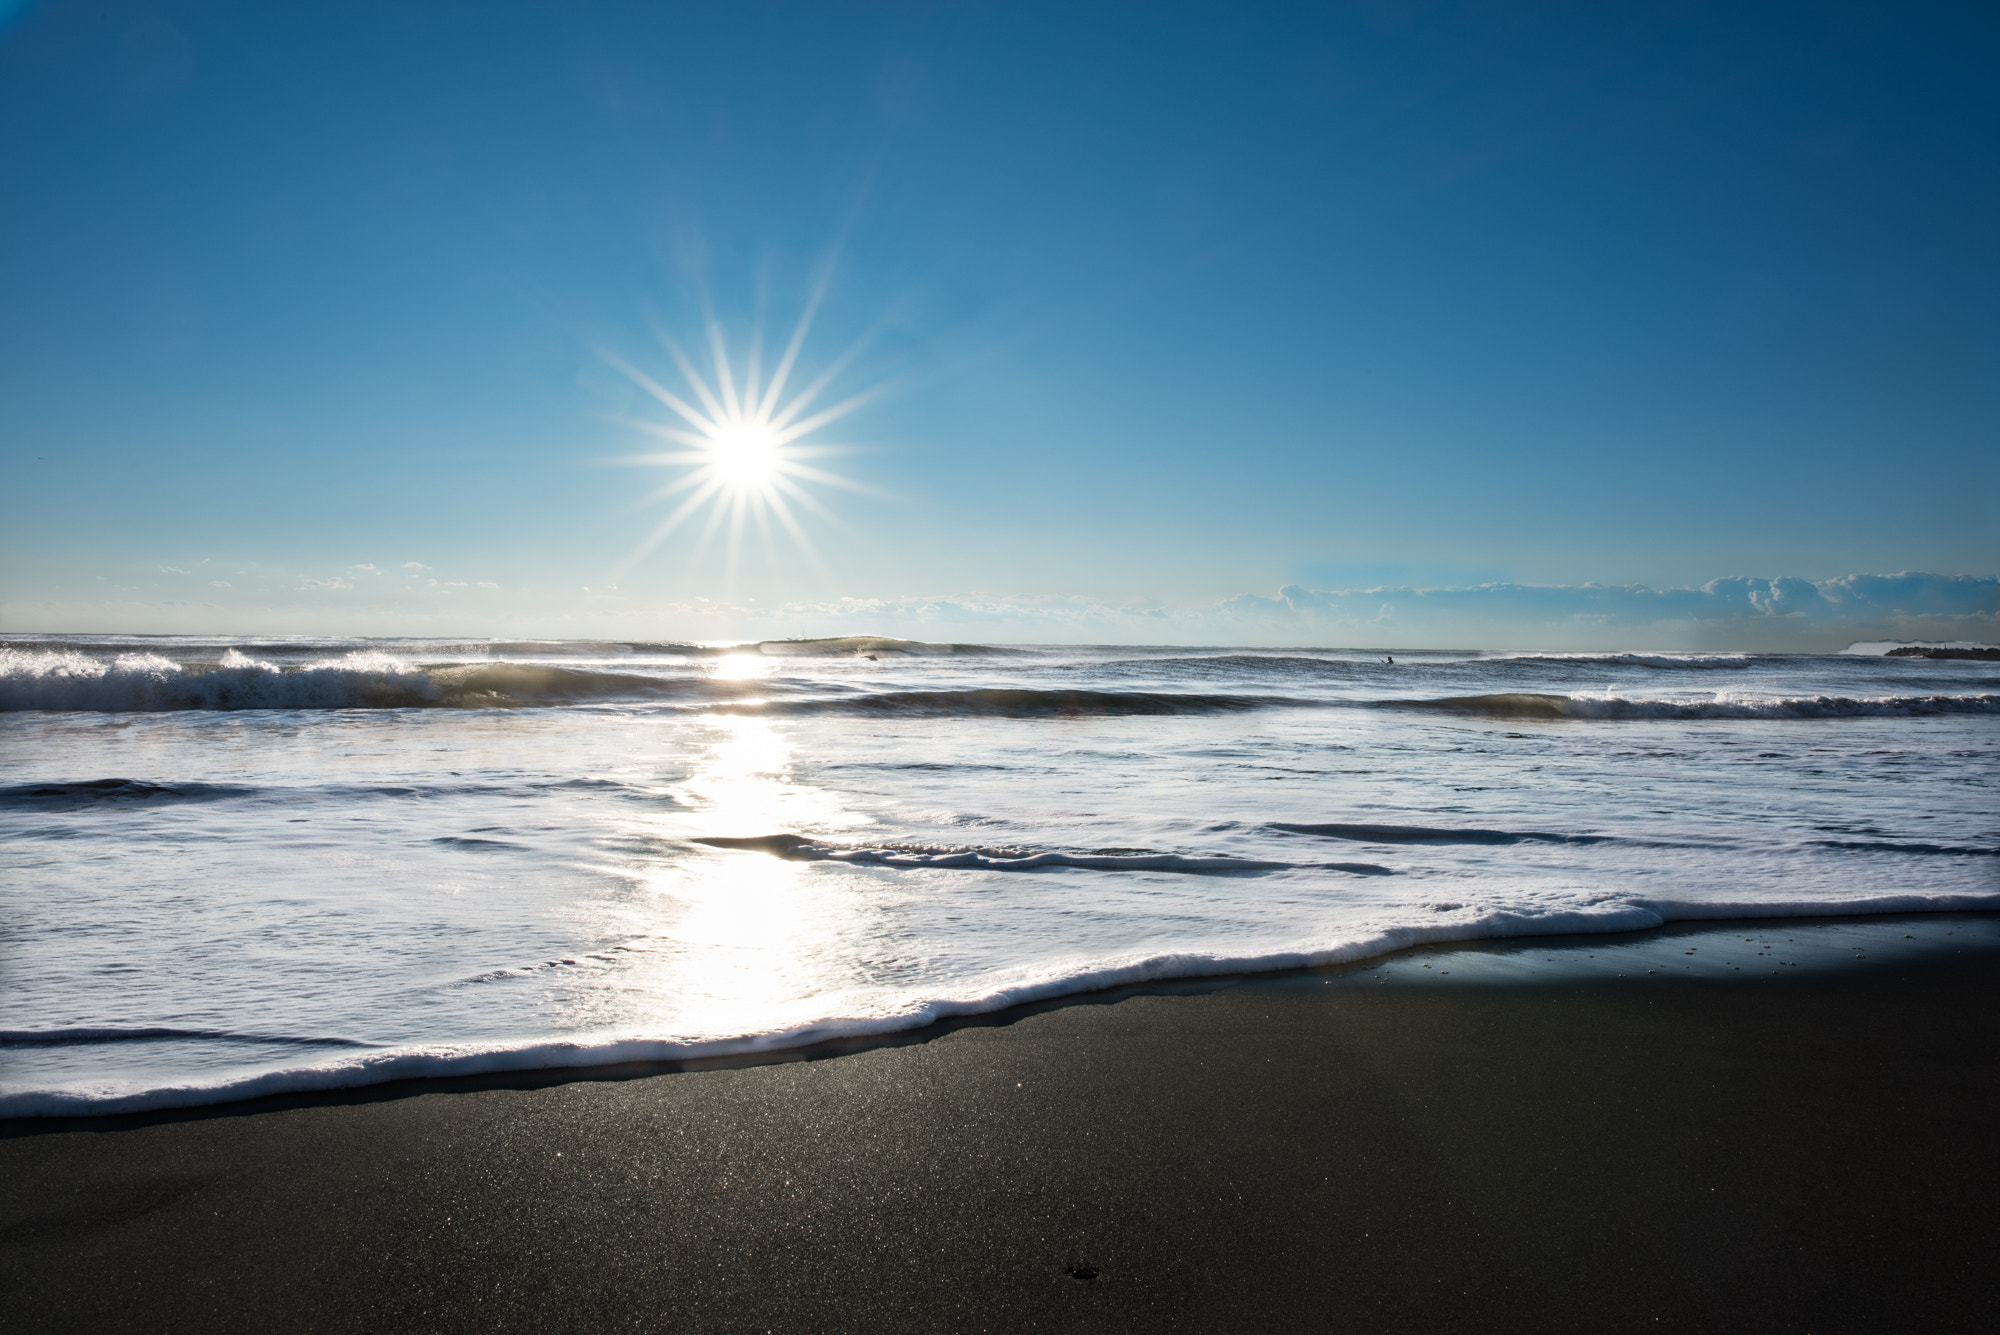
(1985, 653)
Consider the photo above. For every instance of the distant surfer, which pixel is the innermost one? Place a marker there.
(1390, 659)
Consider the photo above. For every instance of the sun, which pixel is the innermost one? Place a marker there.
(744, 453)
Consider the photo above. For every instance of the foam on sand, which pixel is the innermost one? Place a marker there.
(345, 1068)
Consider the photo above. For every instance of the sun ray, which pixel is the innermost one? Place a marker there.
(817, 385)
(664, 432)
(666, 526)
(835, 480)
(812, 503)
(762, 516)
(792, 349)
(787, 434)
(739, 516)
(753, 365)
(821, 450)
(717, 413)
(800, 537)
(666, 396)
(718, 355)
(662, 492)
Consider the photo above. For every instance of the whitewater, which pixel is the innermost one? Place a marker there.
(243, 866)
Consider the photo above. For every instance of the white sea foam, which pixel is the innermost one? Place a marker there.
(419, 1062)
(68, 680)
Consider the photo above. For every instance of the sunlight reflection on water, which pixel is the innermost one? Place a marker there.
(743, 667)
(750, 936)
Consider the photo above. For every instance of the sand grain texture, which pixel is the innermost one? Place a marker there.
(1815, 1153)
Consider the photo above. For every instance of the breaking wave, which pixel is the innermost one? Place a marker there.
(365, 679)
(68, 680)
(504, 685)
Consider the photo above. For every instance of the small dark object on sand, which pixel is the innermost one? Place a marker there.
(1081, 1272)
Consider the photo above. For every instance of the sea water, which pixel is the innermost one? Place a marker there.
(237, 867)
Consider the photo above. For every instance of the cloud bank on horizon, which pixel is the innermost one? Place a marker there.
(1735, 612)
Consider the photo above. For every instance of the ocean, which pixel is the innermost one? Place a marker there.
(243, 866)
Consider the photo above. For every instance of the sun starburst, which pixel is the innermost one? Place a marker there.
(743, 456)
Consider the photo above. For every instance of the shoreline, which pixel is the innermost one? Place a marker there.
(1700, 948)
(1531, 1146)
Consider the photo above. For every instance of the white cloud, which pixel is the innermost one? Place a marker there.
(333, 582)
(218, 584)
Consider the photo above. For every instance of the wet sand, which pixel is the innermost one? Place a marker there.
(1515, 1137)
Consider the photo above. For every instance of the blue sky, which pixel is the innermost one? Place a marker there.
(311, 315)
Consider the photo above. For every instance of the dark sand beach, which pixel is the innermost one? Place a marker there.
(1768, 1134)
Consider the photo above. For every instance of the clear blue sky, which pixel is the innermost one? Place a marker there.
(1169, 304)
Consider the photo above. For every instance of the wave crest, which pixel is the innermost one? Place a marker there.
(369, 679)
(490, 685)
(71, 681)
